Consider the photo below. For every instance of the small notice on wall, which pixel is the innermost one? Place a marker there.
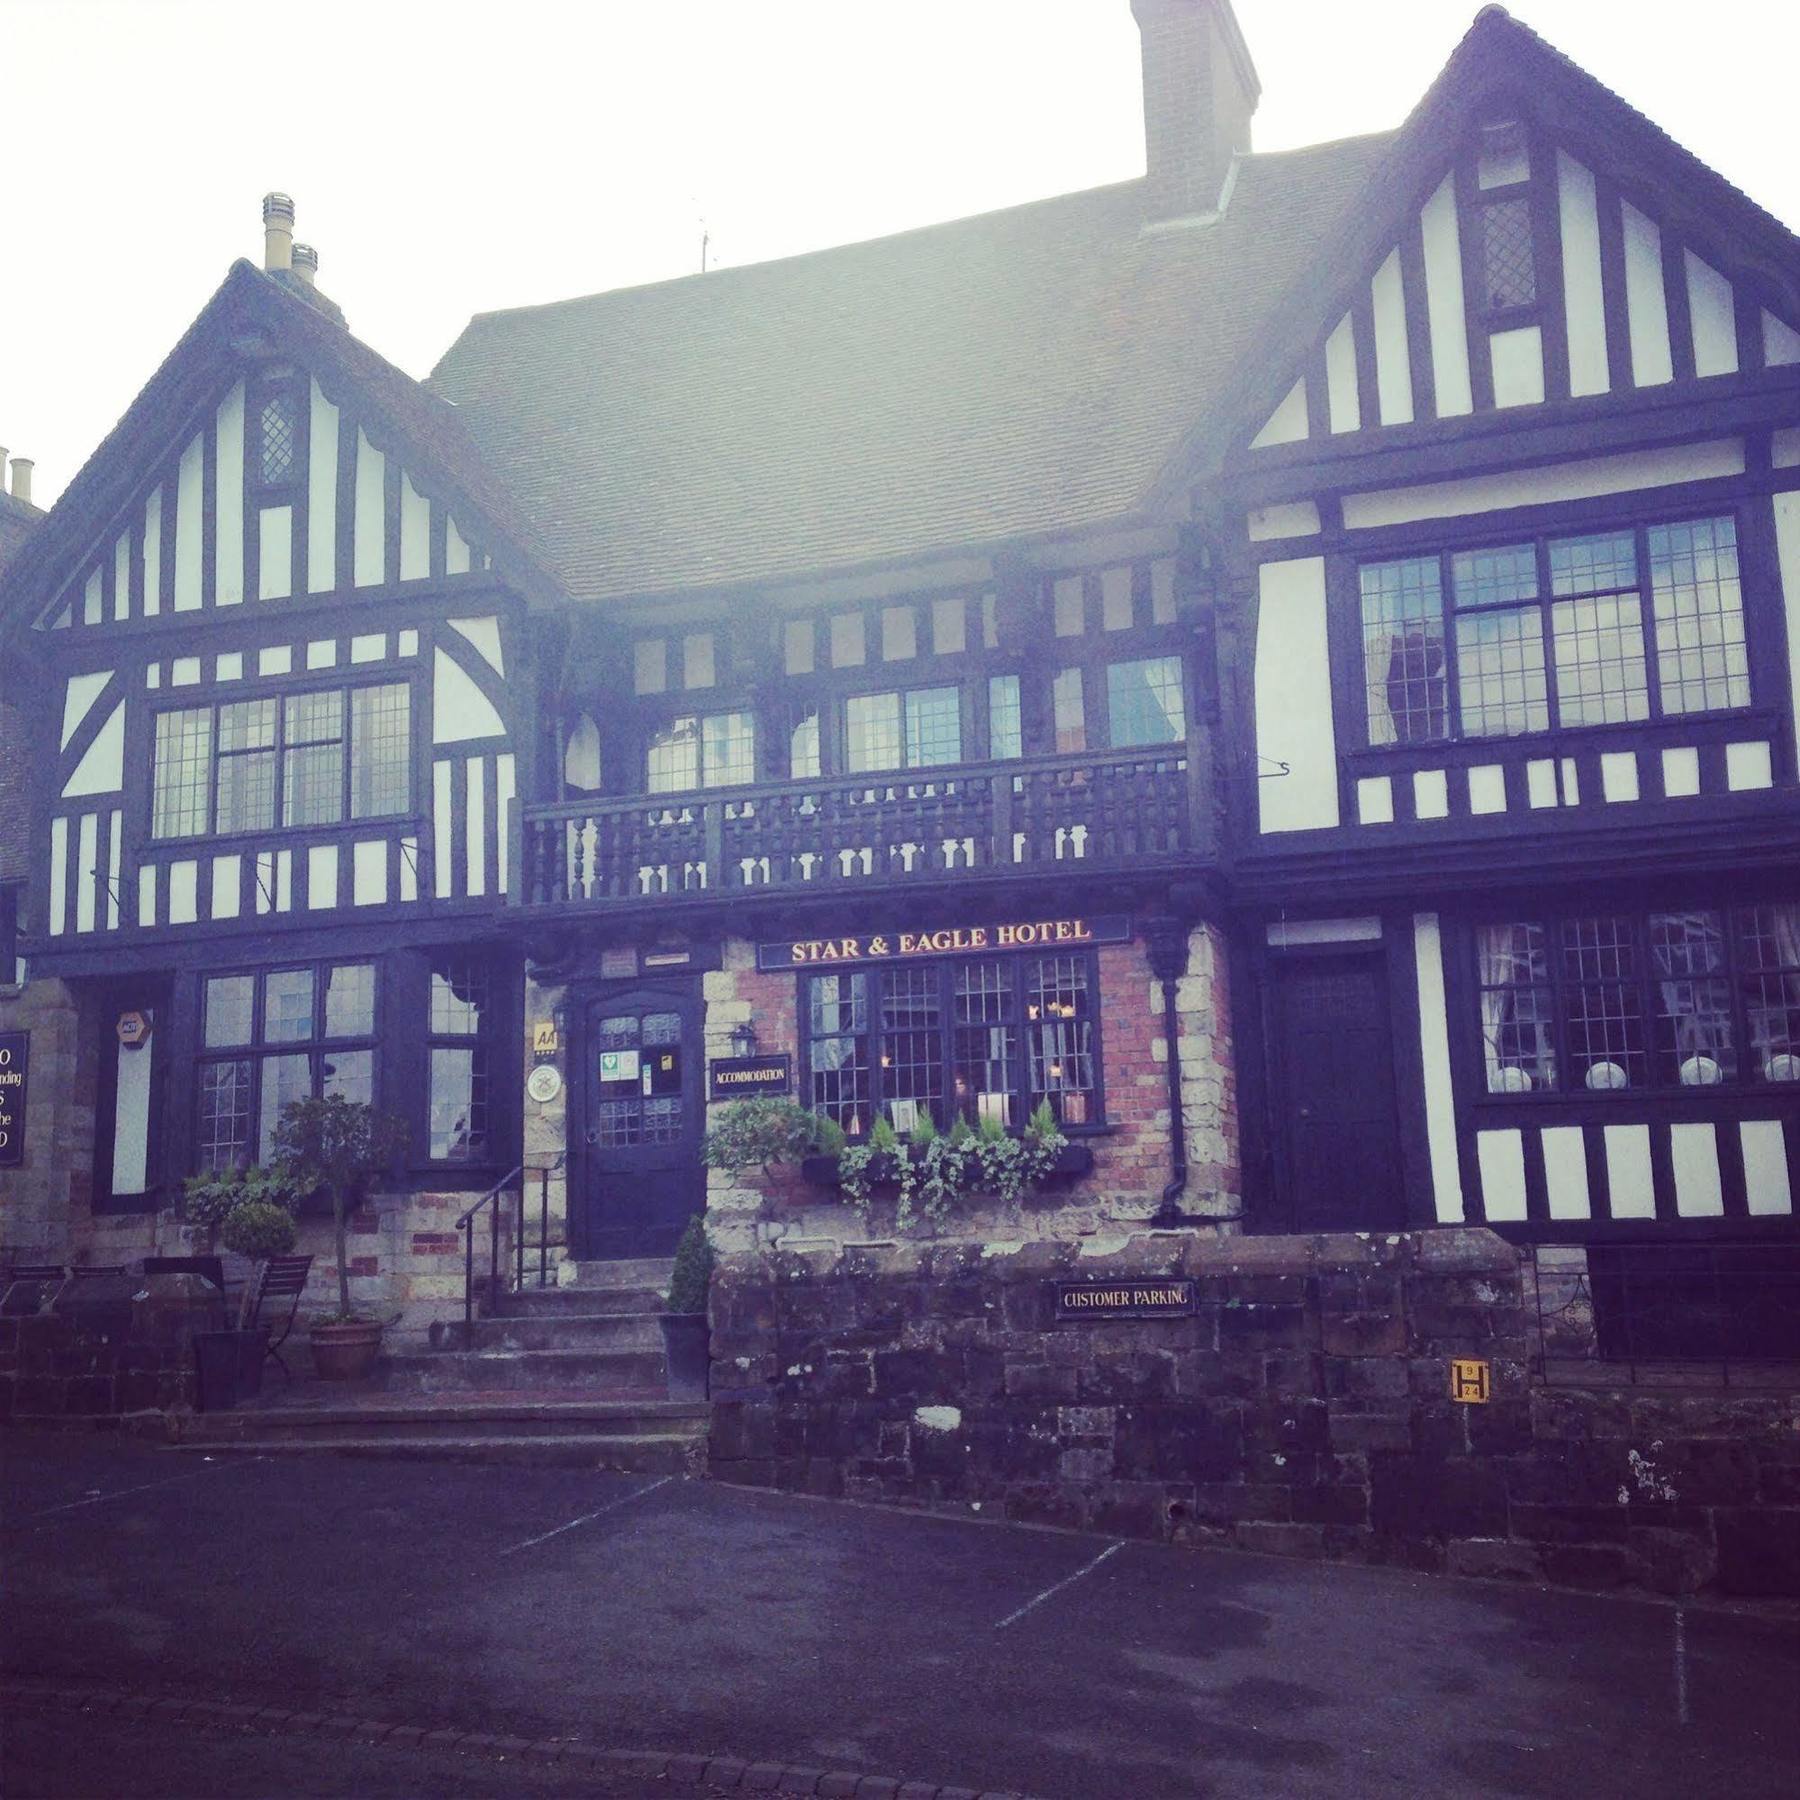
(1469, 1380)
(749, 1077)
(15, 1052)
(1093, 1300)
(543, 1038)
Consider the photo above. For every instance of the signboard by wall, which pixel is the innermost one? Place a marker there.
(1092, 1301)
(946, 940)
(15, 1057)
(749, 1077)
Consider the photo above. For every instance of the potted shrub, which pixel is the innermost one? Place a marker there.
(257, 1229)
(206, 1203)
(771, 1136)
(685, 1343)
(337, 1144)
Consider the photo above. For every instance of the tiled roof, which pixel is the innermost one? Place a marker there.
(1021, 372)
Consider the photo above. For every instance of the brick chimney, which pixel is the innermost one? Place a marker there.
(1200, 88)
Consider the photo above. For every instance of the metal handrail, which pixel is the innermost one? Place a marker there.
(466, 1225)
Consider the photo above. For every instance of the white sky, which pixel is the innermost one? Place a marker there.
(452, 156)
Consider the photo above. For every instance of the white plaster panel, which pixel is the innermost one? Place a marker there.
(1375, 799)
(275, 552)
(115, 865)
(1444, 303)
(1628, 1172)
(265, 881)
(190, 479)
(456, 550)
(153, 554)
(1694, 1156)
(1286, 518)
(1393, 365)
(484, 634)
(409, 643)
(321, 877)
(1288, 423)
(228, 500)
(1571, 782)
(59, 876)
(1765, 1168)
(1748, 766)
(1501, 1158)
(1431, 794)
(1115, 599)
(153, 675)
(184, 891)
(146, 911)
(227, 886)
(102, 769)
(321, 653)
(475, 815)
(1284, 934)
(1516, 359)
(184, 671)
(1619, 775)
(122, 576)
(1293, 698)
(284, 881)
(1540, 782)
(1434, 1050)
(1584, 304)
(1341, 399)
(1781, 342)
(1787, 555)
(1645, 302)
(279, 660)
(1546, 486)
(229, 666)
(321, 496)
(1565, 1172)
(131, 1116)
(1487, 788)
(87, 870)
(415, 531)
(409, 868)
(368, 873)
(369, 524)
(93, 598)
(368, 647)
(442, 823)
(79, 694)
(1681, 773)
(1712, 316)
(1784, 448)
(505, 778)
(459, 709)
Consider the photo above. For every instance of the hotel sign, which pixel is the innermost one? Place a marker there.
(15, 1054)
(1092, 1300)
(946, 940)
(749, 1077)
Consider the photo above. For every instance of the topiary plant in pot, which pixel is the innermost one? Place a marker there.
(685, 1343)
(337, 1144)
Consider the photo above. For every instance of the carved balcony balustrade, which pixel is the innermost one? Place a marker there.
(1121, 810)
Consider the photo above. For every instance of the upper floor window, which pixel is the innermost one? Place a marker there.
(979, 1038)
(278, 440)
(273, 1036)
(1602, 629)
(306, 759)
(920, 728)
(1143, 701)
(702, 751)
(1628, 1001)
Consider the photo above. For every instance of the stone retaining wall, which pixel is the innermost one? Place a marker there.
(53, 1368)
(1303, 1409)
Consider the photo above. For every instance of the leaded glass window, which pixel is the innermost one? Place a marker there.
(702, 751)
(1144, 702)
(278, 440)
(458, 1118)
(1403, 651)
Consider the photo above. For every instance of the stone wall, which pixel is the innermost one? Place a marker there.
(1304, 1409)
(55, 1368)
(46, 1201)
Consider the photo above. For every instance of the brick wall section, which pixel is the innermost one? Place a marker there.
(1303, 1410)
(1132, 1162)
(54, 1368)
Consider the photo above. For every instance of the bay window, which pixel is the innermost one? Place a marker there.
(702, 751)
(915, 729)
(457, 1033)
(1627, 1001)
(1603, 628)
(977, 1038)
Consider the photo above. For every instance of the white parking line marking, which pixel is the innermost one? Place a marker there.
(623, 1500)
(1057, 1587)
(1681, 1688)
(119, 1494)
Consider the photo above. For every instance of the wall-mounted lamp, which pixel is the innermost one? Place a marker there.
(743, 1039)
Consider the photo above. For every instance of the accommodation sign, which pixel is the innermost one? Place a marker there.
(749, 1077)
(15, 1053)
(946, 940)
(1092, 1300)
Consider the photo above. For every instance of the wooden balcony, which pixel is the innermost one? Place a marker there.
(1074, 814)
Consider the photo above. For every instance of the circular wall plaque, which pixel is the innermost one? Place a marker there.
(544, 1083)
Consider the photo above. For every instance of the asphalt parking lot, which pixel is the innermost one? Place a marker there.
(679, 1616)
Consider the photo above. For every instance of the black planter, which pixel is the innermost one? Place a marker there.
(686, 1348)
(253, 1352)
(218, 1369)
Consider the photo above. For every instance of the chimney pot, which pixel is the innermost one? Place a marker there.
(21, 479)
(1200, 89)
(306, 264)
(278, 231)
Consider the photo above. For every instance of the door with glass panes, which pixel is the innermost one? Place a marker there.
(643, 1063)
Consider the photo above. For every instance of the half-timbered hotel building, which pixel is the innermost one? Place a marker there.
(1286, 660)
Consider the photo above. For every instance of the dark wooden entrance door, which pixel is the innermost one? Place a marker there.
(1339, 1136)
(643, 1097)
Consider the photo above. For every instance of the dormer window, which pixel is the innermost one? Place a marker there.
(278, 440)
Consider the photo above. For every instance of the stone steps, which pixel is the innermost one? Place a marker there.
(646, 1272)
(558, 1329)
(554, 1302)
(445, 1371)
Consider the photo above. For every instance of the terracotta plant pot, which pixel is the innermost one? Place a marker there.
(346, 1352)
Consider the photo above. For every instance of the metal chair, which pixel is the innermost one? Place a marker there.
(282, 1278)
